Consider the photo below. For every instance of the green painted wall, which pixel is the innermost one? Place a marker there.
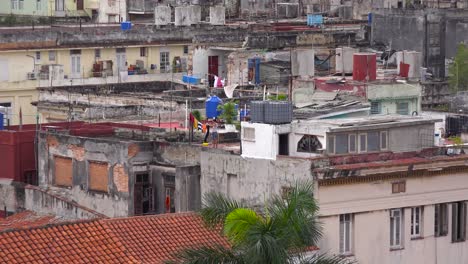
(29, 7)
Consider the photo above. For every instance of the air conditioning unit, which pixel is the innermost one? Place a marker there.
(32, 76)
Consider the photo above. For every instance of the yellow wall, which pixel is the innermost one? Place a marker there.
(21, 92)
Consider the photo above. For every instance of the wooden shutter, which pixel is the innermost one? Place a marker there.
(98, 176)
(63, 171)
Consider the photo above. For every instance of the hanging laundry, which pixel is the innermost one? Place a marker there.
(229, 90)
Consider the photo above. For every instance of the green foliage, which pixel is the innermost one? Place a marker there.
(279, 235)
(197, 115)
(228, 112)
(458, 79)
(10, 20)
(279, 97)
(457, 141)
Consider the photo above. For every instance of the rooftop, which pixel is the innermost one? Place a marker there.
(145, 239)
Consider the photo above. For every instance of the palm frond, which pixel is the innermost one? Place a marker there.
(216, 207)
(239, 222)
(207, 255)
(296, 217)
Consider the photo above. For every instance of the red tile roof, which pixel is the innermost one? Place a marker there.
(152, 239)
(27, 219)
(146, 239)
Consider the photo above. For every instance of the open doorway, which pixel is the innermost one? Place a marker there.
(142, 195)
(283, 144)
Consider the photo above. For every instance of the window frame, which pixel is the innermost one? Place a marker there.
(248, 138)
(379, 108)
(441, 220)
(355, 143)
(38, 55)
(398, 110)
(394, 235)
(346, 234)
(14, 4)
(52, 55)
(360, 140)
(417, 222)
(331, 150)
(164, 57)
(386, 140)
(186, 49)
(143, 52)
(98, 163)
(400, 187)
(20, 4)
(97, 53)
(458, 229)
(38, 5)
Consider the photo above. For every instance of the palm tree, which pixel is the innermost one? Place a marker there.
(281, 233)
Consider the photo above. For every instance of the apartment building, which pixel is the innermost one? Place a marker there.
(26, 66)
(107, 11)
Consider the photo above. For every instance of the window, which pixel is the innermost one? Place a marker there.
(38, 55)
(383, 140)
(97, 53)
(375, 108)
(185, 49)
(63, 171)
(362, 142)
(373, 141)
(402, 108)
(169, 185)
(331, 145)
(352, 143)
(98, 176)
(143, 52)
(52, 55)
(21, 4)
(164, 61)
(38, 5)
(341, 144)
(309, 144)
(249, 133)
(416, 221)
(399, 187)
(441, 220)
(345, 233)
(14, 4)
(458, 221)
(395, 228)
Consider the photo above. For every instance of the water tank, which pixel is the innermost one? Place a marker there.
(413, 59)
(278, 112)
(257, 111)
(344, 59)
(211, 106)
(364, 66)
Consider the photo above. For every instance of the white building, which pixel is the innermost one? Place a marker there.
(386, 194)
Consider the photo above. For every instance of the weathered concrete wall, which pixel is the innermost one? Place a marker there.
(177, 154)
(11, 196)
(40, 201)
(188, 193)
(162, 15)
(119, 157)
(217, 15)
(248, 179)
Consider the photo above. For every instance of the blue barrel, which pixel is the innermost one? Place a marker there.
(2, 121)
(211, 106)
(244, 113)
(369, 19)
(126, 25)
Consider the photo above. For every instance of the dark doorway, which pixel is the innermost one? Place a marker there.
(30, 177)
(142, 195)
(80, 4)
(212, 69)
(283, 148)
(169, 192)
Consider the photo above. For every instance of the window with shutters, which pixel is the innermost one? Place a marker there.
(341, 144)
(143, 51)
(331, 144)
(14, 4)
(383, 140)
(164, 63)
(97, 53)
(416, 221)
(458, 221)
(396, 216)
(399, 187)
(52, 55)
(362, 143)
(98, 176)
(346, 234)
(440, 220)
(63, 171)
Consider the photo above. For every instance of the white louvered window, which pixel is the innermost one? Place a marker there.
(416, 221)
(346, 234)
(395, 228)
